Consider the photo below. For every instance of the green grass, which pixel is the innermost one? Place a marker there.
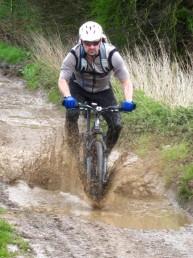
(174, 157)
(9, 236)
(38, 75)
(186, 183)
(2, 210)
(143, 145)
(176, 152)
(152, 116)
(12, 55)
(154, 126)
(32, 74)
(54, 95)
(149, 116)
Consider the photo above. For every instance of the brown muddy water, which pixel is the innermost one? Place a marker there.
(118, 210)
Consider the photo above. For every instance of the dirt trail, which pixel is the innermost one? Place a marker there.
(60, 222)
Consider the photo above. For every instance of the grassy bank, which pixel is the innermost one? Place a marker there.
(163, 121)
(44, 68)
(12, 55)
(166, 134)
(11, 244)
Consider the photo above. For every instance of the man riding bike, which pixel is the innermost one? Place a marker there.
(85, 76)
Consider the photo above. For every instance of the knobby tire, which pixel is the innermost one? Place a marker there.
(95, 169)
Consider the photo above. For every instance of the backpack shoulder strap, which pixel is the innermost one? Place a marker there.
(82, 65)
(103, 58)
(106, 62)
(79, 54)
(72, 51)
(110, 57)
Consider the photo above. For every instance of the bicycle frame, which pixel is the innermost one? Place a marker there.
(95, 156)
(97, 111)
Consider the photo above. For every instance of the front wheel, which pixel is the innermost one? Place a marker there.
(96, 169)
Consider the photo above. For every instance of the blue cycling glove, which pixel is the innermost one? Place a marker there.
(69, 102)
(128, 106)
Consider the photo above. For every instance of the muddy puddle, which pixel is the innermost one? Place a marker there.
(117, 211)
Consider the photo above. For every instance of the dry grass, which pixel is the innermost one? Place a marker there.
(160, 78)
(49, 51)
(157, 76)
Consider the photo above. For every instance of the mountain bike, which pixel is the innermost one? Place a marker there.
(93, 150)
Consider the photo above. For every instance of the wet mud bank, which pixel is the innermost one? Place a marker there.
(31, 137)
(41, 190)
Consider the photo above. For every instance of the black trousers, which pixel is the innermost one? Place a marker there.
(104, 99)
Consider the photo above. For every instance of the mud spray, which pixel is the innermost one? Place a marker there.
(122, 206)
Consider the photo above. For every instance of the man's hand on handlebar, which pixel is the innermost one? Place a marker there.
(69, 102)
(128, 106)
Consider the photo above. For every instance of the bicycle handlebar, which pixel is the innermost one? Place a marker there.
(96, 108)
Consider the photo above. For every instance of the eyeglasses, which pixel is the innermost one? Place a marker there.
(91, 43)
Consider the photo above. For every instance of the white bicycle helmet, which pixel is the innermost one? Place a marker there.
(90, 31)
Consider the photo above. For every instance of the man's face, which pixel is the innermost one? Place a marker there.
(91, 47)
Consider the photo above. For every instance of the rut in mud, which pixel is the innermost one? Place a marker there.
(40, 187)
